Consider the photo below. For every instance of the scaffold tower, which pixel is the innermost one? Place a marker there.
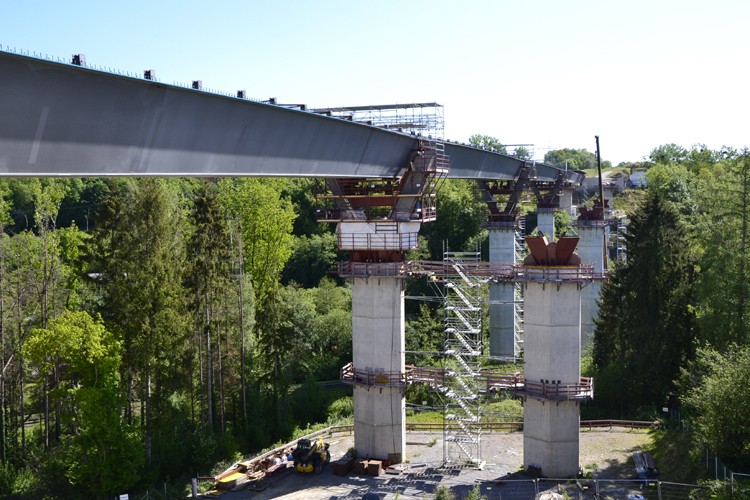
(462, 355)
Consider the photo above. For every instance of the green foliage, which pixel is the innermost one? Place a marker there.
(424, 333)
(720, 403)
(644, 331)
(442, 492)
(266, 221)
(721, 490)
(563, 224)
(488, 142)
(102, 452)
(459, 218)
(475, 494)
(575, 159)
(724, 284)
(312, 259)
(341, 408)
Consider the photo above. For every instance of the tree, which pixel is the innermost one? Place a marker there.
(313, 258)
(645, 328)
(522, 153)
(719, 404)
(724, 285)
(209, 254)
(138, 255)
(574, 159)
(459, 218)
(265, 220)
(487, 142)
(102, 452)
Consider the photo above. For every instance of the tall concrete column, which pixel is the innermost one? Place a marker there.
(378, 347)
(545, 222)
(552, 350)
(566, 200)
(591, 251)
(502, 315)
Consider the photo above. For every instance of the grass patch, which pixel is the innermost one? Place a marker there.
(426, 417)
(677, 455)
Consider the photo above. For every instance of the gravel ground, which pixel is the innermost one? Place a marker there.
(606, 453)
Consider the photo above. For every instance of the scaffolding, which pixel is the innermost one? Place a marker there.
(460, 390)
(520, 234)
(423, 119)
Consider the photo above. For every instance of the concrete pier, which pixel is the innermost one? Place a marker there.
(552, 351)
(378, 347)
(566, 200)
(591, 251)
(545, 222)
(502, 316)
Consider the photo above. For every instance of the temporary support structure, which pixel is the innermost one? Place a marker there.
(462, 355)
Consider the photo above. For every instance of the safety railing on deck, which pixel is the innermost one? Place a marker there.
(559, 392)
(378, 241)
(488, 382)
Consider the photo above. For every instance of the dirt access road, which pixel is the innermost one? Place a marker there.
(607, 453)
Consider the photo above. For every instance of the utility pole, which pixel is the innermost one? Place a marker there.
(605, 261)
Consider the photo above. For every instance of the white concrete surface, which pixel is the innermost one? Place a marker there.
(502, 323)
(552, 353)
(551, 437)
(378, 346)
(591, 250)
(545, 222)
(566, 200)
(552, 315)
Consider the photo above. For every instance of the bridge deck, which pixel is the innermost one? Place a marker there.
(63, 120)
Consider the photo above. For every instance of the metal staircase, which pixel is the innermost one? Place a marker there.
(463, 348)
(518, 291)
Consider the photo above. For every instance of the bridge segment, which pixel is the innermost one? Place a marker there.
(62, 119)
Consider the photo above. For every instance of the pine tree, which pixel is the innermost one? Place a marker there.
(645, 330)
(210, 258)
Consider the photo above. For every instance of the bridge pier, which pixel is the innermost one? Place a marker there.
(591, 251)
(545, 222)
(502, 295)
(553, 278)
(552, 352)
(378, 348)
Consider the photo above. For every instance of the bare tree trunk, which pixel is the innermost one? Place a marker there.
(20, 354)
(192, 396)
(221, 375)
(242, 328)
(202, 386)
(44, 325)
(129, 407)
(148, 415)
(56, 373)
(209, 370)
(2, 351)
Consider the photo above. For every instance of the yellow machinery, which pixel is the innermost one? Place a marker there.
(311, 456)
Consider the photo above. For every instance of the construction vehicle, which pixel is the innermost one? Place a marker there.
(311, 456)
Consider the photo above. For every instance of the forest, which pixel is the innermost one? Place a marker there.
(167, 325)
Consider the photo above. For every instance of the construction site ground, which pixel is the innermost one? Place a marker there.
(606, 453)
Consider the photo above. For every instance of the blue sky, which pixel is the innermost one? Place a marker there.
(551, 73)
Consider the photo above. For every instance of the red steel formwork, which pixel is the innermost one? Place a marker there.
(411, 197)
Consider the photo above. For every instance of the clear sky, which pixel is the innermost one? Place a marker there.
(551, 73)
